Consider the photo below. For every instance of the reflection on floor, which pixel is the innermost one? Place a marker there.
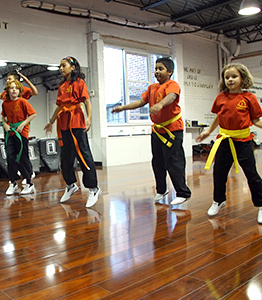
(126, 246)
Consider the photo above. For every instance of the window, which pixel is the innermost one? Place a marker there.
(127, 77)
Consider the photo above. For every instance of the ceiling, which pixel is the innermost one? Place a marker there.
(167, 17)
(206, 15)
(164, 16)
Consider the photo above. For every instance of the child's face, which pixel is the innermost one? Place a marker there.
(161, 73)
(10, 78)
(66, 69)
(233, 80)
(13, 91)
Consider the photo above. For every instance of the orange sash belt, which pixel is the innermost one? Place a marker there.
(59, 134)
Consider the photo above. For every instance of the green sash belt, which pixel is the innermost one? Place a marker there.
(13, 127)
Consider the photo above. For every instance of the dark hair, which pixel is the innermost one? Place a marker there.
(77, 72)
(167, 62)
(18, 85)
(246, 78)
(13, 73)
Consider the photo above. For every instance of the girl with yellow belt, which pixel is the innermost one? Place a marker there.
(236, 111)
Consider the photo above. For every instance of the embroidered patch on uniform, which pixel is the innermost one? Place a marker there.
(159, 97)
(69, 89)
(17, 108)
(242, 105)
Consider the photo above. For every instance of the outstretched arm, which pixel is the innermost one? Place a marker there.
(208, 131)
(133, 105)
(33, 88)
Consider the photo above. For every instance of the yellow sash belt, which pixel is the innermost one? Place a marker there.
(238, 134)
(162, 125)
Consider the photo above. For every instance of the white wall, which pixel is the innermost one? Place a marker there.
(39, 37)
(200, 77)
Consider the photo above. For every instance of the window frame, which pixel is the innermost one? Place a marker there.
(126, 96)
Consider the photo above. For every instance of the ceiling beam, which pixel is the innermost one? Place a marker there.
(225, 22)
(202, 9)
(155, 4)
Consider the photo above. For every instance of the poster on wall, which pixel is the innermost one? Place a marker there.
(257, 90)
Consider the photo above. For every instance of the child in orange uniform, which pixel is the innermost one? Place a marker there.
(167, 131)
(72, 130)
(27, 91)
(17, 112)
(236, 111)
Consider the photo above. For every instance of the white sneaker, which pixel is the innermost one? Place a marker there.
(28, 189)
(93, 197)
(69, 192)
(32, 177)
(178, 200)
(259, 216)
(160, 196)
(13, 188)
(215, 207)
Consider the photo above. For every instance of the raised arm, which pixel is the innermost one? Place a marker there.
(33, 88)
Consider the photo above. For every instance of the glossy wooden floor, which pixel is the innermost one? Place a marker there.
(127, 247)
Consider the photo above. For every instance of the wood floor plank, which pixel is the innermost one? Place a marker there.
(231, 283)
(229, 262)
(126, 246)
(165, 271)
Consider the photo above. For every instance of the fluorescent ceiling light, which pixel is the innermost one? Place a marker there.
(2, 63)
(249, 7)
(52, 68)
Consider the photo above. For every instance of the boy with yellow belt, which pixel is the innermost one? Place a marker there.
(167, 131)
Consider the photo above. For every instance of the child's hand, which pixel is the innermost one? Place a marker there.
(153, 110)
(20, 128)
(88, 124)
(202, 136)
(117, 109)
(6, 127)
(48, 128)
(20, 74)
(23, 76)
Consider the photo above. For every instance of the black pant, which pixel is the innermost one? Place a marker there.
(171, 160)
(13, 147)
(69, 153)
(246, 159)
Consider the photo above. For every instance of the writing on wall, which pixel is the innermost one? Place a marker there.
(3, 25)
(193, 78)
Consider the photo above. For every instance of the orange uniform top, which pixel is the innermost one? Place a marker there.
(236, 111)
(17, 111)
(72, 94)
(26, 94)
(156, 93)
